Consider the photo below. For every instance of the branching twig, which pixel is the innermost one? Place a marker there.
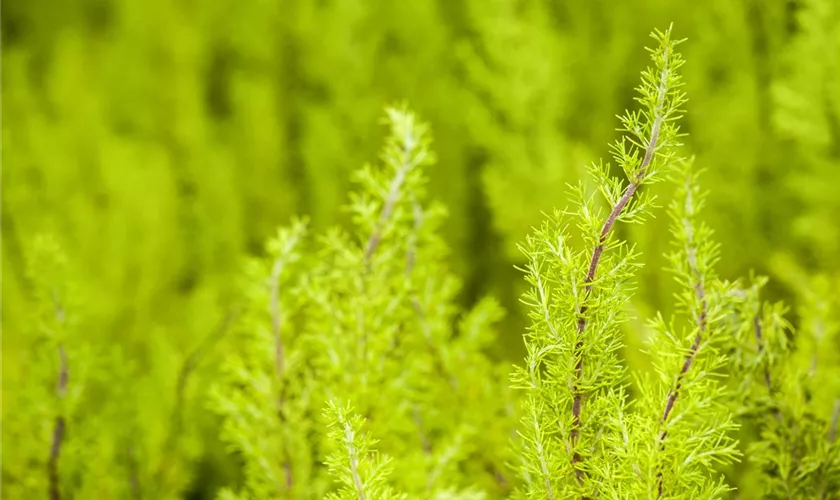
(701, 319)
(61, 391)
(759, 338)
(55, 451)
(349, 435)
(390, 200)
(279, 348)
(650, 152)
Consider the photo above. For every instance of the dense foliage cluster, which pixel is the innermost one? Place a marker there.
(349, 361)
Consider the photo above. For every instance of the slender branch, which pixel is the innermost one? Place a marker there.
(279, 347)
(832, 436)
(701, 319)
(274, 306)
(61, 391)
(535, 269)
(543, 463)
(759, 338)
(650, 152)
(55, 451)
(411, 253)
(390, 200)
(418, 422)
(349, 436)
(59, 428)
(760, 343)
(375, 238)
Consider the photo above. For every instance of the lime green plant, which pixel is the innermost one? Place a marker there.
(366, 316)
(347, 368)
(787, 392)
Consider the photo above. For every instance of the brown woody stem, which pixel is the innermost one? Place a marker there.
(702, 327)
(615, 213)
(61, 391)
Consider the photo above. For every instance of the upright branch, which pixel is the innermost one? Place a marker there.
(691, 263)
(404, 152)
(284, 251)
(353, 455)
(59, 426)
(700, 316)
(662, 97)
(406, 149)
(761, 341)
(361, 470)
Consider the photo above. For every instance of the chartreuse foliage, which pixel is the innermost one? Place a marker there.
(788, 393)
(345, 367)
(583, 436)
(366, 316)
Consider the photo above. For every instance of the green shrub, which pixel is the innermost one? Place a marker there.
(345, 366)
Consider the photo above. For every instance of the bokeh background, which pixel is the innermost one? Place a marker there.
(161, 141)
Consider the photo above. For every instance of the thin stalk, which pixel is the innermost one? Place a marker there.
(832, 436)
(615, 213)
(60, 424)
(391, 200)
(759, 338)
(279, 347)
(349, 435)
(274, 307)
(701, 319)
(543, 463)
(760, 343)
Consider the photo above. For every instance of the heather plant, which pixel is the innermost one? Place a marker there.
(583, 437)
(344, 363)
(787, 393)
(365, 317)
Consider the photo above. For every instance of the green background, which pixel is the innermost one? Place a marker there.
(160, 142)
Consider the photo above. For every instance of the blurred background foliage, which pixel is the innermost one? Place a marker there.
(160, 142)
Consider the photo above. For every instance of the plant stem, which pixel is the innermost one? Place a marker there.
(701, 318)
(55, 451)
(349, 435)
(759, 338)
(760, 343)
(61, 391)
(58, 429)
(390, 201)
(615, 213)
(279, 348)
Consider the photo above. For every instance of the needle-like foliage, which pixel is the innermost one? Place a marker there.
(788, 393)
(361, 470)
(345, 367)
(366, 315)
(580, 276)
(681, 430)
